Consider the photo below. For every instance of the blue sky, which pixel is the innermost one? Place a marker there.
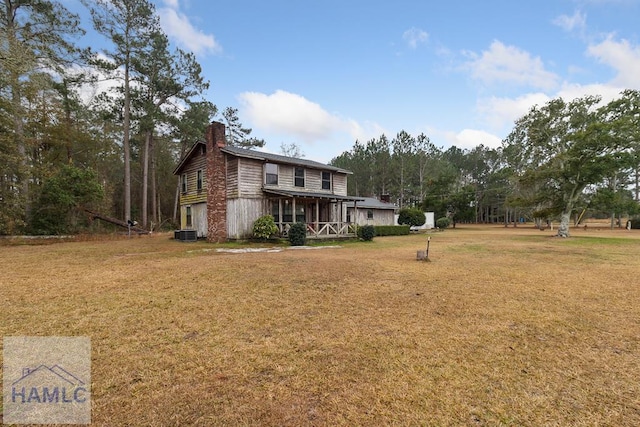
(323, 74)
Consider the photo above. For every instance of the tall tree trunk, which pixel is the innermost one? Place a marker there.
(22, 172)
(637, 176)
(145, 180)
(563, 228)
(158, 211)
(66, 103)
(613, 220)
(126, 144)
(18, 124)
(154, 181)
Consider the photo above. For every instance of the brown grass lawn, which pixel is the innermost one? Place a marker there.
(502, 327)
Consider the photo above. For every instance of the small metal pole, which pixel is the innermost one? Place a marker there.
(427, 253)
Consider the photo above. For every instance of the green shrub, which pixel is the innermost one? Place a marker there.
(443, 222)
(264, 227)
(298, 234)
(392, 230)
(412, 217)
(366, 232)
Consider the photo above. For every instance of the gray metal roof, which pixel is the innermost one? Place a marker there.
(277, 158)
(372, 203)
(260, 155)
(305, 194)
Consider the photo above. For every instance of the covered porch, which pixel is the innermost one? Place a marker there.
(325, 215)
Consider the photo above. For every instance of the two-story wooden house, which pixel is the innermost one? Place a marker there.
(225, 189)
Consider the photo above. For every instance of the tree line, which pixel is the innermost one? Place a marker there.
(65, 143)
(561, 161)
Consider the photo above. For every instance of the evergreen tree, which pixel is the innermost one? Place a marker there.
(35, 36)
(237, 135)
(131, 26)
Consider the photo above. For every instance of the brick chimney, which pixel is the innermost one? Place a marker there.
(216, 184)
(216, 134)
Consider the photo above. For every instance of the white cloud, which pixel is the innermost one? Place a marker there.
(508, 64)
(293, 115)
(178, 26)
(499, 113)
(103, 83)
(570, 23)
(173, 4)
(608, 92)
(364, 132)
(414, 37)
(471, 138)
(623, 57)
(290, 113)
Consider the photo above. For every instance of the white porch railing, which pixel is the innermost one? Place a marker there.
(321, 229)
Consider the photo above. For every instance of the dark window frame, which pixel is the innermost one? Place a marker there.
(298, 176)
(199, 179)
(188, 217)
(183, 183)
(326, 181)
(271, 178)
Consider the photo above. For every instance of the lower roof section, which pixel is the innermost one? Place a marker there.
(307, 195)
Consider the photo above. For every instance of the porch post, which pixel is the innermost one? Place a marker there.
(339, 205)
(355, 216)
(317, 215)
(293, 206)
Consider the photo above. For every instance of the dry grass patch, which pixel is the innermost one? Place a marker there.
(503, 327)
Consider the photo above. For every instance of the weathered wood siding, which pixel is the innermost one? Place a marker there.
(250, 178)
(233, 187)
(198, 218)
(339, 184)
(199, 212)
(241, 214)
(312, 181)
(192, 194)
(285, 177)
(380, 216)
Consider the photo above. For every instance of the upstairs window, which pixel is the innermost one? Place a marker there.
(199, 180)
(271, 174)
(183, 183)
(299, 177)
(326, 180)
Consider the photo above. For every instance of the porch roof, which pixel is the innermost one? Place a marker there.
(307, 195)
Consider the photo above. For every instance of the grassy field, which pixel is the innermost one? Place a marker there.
(502, 327)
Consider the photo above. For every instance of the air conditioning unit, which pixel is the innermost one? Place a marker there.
(185, 235)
